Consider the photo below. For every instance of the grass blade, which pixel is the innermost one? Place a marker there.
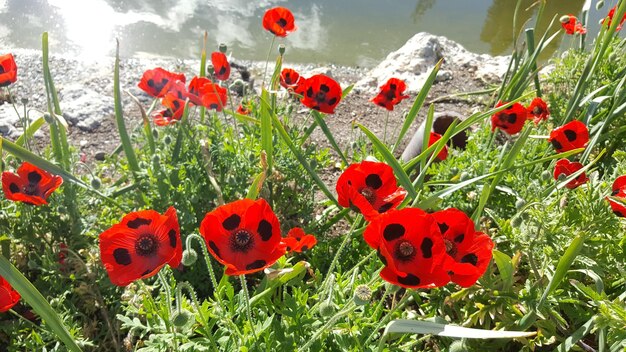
(417, 104)
(319, 119)
(565, 262)
(39, 304)
(403, 178)
(119, 116)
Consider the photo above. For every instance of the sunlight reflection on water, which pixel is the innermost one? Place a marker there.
(348, 32)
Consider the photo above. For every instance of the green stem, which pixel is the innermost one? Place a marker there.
(347, 309)
(246, 295)
(341, 247)
(382, 321)
(267, 60)
(168, 298)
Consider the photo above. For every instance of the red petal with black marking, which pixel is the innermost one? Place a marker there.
(30, 185)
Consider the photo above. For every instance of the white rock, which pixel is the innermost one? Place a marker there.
(413, 61)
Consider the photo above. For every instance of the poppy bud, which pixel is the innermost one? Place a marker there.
(520, 204)
(155, 133)
(210, 70)
(96, 183)
(546, 175)
(599, 5)
(327, 309)
(182, 319)
(24, 101)
(564, 19)
(464, 176)
(189, 257)
(454, 171)
(362, 295)
(223, 48)
(167, 140)
(156, 159)
(48, 118)
(281, 49)
(516, 221)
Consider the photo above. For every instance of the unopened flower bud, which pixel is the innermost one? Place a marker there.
(24, 101)
(520, 204)
(96, 183)
(223, 48)
(281, 49)
(516, 221)
(327, 309)
(189, 257)
(167, 140)
(546, 175)
(362, 295)
(599, 4)
(182, 319)
(156, 159)
(155, 133)
(464, 176)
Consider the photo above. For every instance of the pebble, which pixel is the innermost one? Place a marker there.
(100, 156)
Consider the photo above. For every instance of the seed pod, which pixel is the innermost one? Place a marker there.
(96, 183)
(362, 295)
(327, 309)
(281, 49)
(223, 47)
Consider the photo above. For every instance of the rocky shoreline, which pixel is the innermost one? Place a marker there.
(85, 88)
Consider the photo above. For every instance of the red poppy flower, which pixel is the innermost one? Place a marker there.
(572, 135)
(244, 235)
(609, 18)
(370, 187)
(510, 120)
(538, 110)
(8, 296)
(410, 245)
(565, 167)
(174, 109)
(279, 21)
(31, 185)
(221, 66)
(243, 110)
(140, 245)
(571, 25)
(320, 93)
(289, 78)
(619, 187)
(62, 254)
(156, 82)
(213, 96)
(391, 93)
(618, 208)
(194, 87)
(434, 137)
(298, 241)
(8, 70)
(468, 251)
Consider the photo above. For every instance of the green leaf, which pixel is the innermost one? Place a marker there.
(425, 327)
(403, 178)
(578, 335)
(266, 128)
(34, 127)
(565, 262)
(505, 267)
(119, 116)
(39, 304)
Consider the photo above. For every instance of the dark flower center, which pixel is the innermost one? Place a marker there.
(404, 251)
(31, 189)
(1, 69)
(241, 241)
(320, 97)
(146, 245)
(537, 110)
(282, 22)
(450, 248)
(369, 194)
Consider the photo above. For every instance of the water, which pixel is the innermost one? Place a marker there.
(345, 32)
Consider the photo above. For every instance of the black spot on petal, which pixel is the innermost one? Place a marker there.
(383, 208)
(393, 232)
(443, 227)
(172, 236)
(374, 181)
(215, 249)
(146, 272)
(231, 222)
(14, 188)
(571, 135)
(324, 88)
(34, 177)
(332, 101)
(265, 230)
(257, 264)
(512, 118)
(409, 280)
(556, 144)
(309, 92)
(121, 256)
(470, 258)
(459, 238)
(427, 247)
(136, 223)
